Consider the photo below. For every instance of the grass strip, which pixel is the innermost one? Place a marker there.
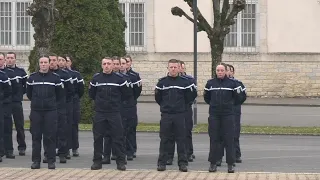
(203, 128)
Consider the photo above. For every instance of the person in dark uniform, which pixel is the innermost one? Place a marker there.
(108, 90)
(44, 90)
(237, 117)
(5, 92)
(188, 118)
(107, 140)
(17, 110)
(78, 83)
(189, 124)
(62, 130)
(221, 93)
(133, 137)
(62, 63)
(129, 108)
(172, 93)
(7, 109)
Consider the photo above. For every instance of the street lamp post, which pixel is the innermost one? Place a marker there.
(195, 60)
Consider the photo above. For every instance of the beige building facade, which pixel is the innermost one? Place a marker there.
(274, 45)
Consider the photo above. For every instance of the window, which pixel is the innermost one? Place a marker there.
(134, 12)
(243, 34)
(15, 24)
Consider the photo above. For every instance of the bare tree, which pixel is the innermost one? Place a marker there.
(223, 19)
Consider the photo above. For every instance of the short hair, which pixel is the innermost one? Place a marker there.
(15, 56)
(181, 62)
(173, 61)
(123, 59)
(52, 54)
(1, 53)
(129, 57)
(231, 67)
(44, 56)
(223, 64)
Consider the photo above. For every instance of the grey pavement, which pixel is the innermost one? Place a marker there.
(261, 153)
(254, 115)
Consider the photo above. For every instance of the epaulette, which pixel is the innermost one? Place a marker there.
(184, 77)
(10, 69)
(2, 72)
(134, 74)
(119, 74)
(124, 74)
(162, 78)
(96, 74)
(55, 74)
(32, 74)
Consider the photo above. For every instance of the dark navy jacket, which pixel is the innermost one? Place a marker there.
(78, 83)
(14, 84)
(44, 91)
(222, 95)
(108, 91)
(5, 87)
(20, 76)
(136, 90)
(192, 81)
(174, 93)
(137, 83)
(237, 108)
(68, 93)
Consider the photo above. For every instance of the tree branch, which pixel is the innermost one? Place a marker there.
(176, 11)
(225, 9)
(216, 15)
(202, 20)
(238, 5)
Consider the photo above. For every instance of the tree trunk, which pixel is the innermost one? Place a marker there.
(216, 45)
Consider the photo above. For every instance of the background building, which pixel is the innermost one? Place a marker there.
(274, 46)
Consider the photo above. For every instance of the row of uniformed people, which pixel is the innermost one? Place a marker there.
(173, 93)
(115, 91)
(55, 92)
(11, 105)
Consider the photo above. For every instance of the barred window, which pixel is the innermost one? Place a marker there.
(15, 24)
(134, 12)
(243, 34)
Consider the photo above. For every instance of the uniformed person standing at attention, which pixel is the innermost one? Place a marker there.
(17, 110)
(7, 108)
(5, 92)
(221, 93)
(108, 90)
(133, 137)
(62, 127)
(129, 108)
(78, 83)
(172, 93)
(44, 90)
(237, 116)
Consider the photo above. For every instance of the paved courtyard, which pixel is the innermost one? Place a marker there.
(85, 174)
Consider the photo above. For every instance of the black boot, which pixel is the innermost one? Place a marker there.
(51, 166)
(62, 159)
(75, 153)
(121, 167)
(219, 162)
(190, 159)
(161, 168)
(230, 168)
(106, 160)
(183, 168)
(35, 165)
(213, 168)
(45, 160)
(10, 155)
(68, 156)
(22, 152)
(96, 166)
(130, 158)
(113, 157)
(238, 160)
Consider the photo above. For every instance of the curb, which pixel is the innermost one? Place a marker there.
(255, 104)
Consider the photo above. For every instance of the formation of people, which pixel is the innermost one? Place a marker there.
(55, 91)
